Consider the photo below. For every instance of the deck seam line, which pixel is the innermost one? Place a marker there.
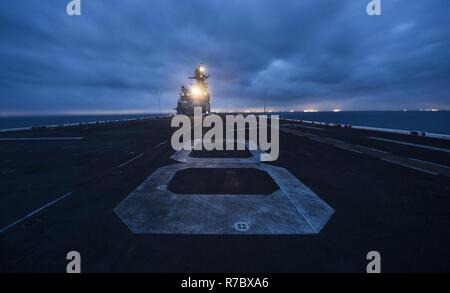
(411, 167)
(35, 212)
(129, 161)
(292, 202)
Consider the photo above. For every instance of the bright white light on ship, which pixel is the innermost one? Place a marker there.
(202, 69)
(196, 91)
(311, 111)
(336, 110)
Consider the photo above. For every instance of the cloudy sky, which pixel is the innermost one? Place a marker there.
(120, 56)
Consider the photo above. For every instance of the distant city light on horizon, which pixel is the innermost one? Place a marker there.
(430, 110)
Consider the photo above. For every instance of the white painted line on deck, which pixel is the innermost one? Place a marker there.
(162, 143)
(372, 149)
(39, 138)
(35, 212)
(317, 139)
(431, 163)
(129, 161)
(408, 166)
(335, 140)
(411, 144)
(347, 149)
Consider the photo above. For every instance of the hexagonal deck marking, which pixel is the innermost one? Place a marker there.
(183, 157)
(293, 209)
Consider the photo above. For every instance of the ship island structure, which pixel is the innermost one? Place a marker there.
(196, 95)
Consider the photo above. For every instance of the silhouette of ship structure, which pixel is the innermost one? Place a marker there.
(196, 95)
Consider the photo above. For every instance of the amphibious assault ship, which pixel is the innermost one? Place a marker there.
(196, 95)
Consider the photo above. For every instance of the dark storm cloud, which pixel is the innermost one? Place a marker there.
(120, 55)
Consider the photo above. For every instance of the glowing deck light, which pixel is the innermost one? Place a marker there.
(201, 69)
(311, 111)
(196, 91)
(336, 110)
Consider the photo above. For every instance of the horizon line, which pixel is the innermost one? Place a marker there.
(244, 111)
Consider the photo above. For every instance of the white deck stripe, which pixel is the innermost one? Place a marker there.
(408, 166)
(35, 212)
(372, 149)
(39, 138)
(431, 163)
(164, 142)
(129, 161)
(347, 149)
(335, 140)
(411, 144)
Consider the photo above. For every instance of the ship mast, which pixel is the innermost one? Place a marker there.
(197, 95)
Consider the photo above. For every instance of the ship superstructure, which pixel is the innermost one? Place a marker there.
(196, 95)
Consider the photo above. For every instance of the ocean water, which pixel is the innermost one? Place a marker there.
(29, 121)
(434, 122)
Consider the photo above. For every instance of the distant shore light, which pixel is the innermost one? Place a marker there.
(430, 110)
(336, 110)
(310, 111)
